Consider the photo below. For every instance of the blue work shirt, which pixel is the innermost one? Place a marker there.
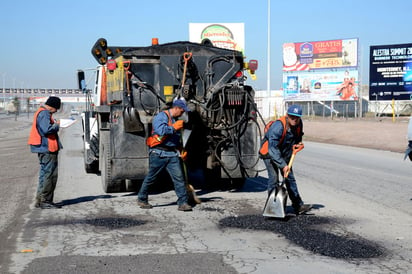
(281, 154)
(161, 127)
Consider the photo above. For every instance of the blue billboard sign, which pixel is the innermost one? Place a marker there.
(390, 72)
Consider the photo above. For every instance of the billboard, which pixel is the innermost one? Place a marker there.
(321, 85)
(390, 72)
(222, 35)
(341, 53)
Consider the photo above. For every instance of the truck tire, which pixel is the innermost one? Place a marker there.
(92, 167)
(109, 185)
(92, 153)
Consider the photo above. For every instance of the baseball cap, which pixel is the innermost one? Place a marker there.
(180, 103)
(295, 110)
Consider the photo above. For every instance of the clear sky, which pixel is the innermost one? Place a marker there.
(44, 42)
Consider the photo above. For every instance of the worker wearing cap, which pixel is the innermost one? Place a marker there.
(280, 151)
(44, 141)
(164, 144)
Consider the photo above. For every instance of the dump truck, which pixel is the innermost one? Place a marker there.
(134, 83)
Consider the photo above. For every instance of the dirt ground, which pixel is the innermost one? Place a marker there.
(376, 132)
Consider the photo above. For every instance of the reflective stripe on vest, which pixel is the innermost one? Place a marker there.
(155, 139)
(35, 137)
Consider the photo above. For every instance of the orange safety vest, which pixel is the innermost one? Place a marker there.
(155, 139)
(264, 149)
(35, 137)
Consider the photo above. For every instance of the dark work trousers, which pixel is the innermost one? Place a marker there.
(291, 186)
(47, 177)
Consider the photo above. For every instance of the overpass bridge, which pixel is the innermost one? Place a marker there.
(40, 92)
(34, 97)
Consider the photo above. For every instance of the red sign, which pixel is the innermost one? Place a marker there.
(320, 55)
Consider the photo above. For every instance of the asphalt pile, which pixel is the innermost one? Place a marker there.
(312, 233)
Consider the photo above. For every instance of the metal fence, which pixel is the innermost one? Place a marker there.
(275, 106)
(343, 109)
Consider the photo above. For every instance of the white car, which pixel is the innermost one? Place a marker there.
(74, 112)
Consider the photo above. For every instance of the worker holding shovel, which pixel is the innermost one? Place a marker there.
(163, 154)
(281, 137)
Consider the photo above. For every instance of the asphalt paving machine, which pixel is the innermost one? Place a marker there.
(132, 84)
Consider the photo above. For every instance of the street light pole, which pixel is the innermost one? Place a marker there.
(4, 84)
(4, 80)
(268, 74)
(21, 96)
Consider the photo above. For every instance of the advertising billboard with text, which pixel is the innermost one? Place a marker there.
(390, 72)
(222, 35)
(322, 85)
(341, 53)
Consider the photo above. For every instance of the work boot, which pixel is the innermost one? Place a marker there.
(37, 202)
(184, 207)
(48, 205)
(302, 209)
(144, 205)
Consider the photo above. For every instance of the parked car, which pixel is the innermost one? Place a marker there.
(11, 108)
(74, 112)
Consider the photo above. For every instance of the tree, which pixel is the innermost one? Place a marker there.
(16, 104)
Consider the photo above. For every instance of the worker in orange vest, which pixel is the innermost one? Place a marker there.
(44, 141)
(282, 135)
(164, 154)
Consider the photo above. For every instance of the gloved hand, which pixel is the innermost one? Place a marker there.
(178, 125)
(286, 171)
(183, 154)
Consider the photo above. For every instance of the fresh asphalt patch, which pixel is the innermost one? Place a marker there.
(105, 222)
(320, 235)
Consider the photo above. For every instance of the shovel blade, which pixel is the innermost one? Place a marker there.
(185, 136)
(131, 120)
(276, 203)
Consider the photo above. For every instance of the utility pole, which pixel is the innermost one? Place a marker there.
(268, 69)
(4, 88)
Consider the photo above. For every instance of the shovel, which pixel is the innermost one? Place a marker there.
(408, 151)
(275, 206)
(185, 134)
(131, 117)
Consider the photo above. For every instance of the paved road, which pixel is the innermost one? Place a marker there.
(361, 222)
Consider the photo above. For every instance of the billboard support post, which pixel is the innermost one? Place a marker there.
(360, 100)
(393, 110)
(356, 109)
(331, 108)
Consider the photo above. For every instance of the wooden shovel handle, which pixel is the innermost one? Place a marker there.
(126, 66)
(186, 58)
(296, 149)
